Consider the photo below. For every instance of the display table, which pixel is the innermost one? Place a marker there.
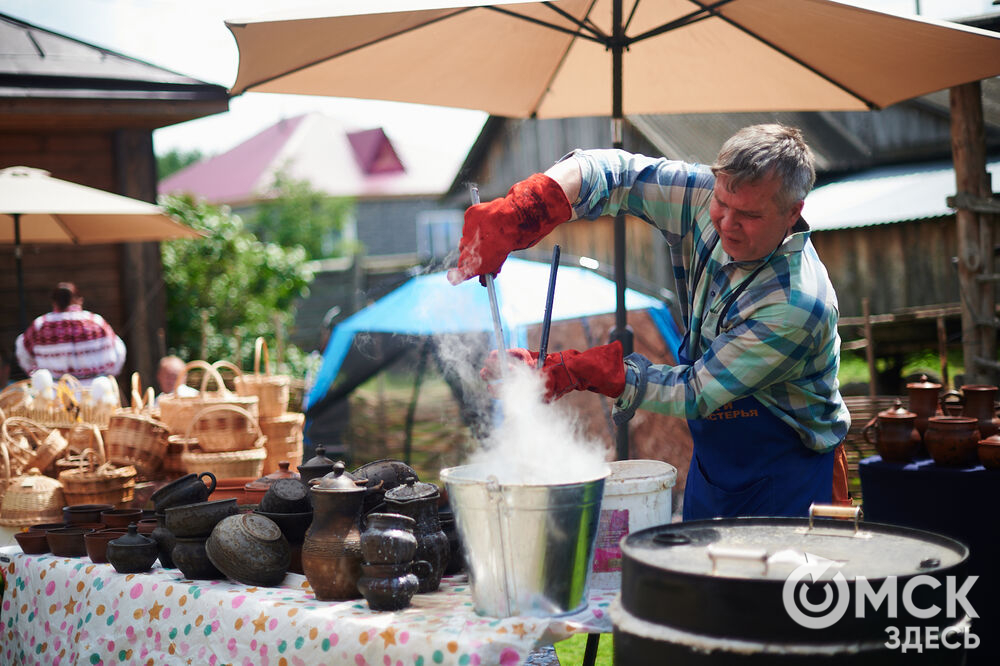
(58, 610)
(957, 502)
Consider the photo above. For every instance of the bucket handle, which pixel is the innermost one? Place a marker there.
(715, 553)
(831, 511)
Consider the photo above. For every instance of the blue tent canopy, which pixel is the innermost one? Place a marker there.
(429, 305)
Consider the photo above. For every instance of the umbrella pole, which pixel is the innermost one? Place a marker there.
(23, 308)
(621, 332)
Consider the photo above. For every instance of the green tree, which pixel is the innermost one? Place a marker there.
(175, 160)
(225, 290)
(298, 215)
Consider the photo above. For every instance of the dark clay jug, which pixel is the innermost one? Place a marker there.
(388, 539)
(894, 434)
(390, 587)
(331, 551)
(419, 501)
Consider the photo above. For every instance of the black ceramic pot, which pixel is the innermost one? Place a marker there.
(190, 557)
(132, 553)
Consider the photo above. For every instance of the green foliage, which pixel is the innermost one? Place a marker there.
(176, 160)
(225, 290)
(301, 216)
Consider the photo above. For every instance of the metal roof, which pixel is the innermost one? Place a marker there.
(887, 195)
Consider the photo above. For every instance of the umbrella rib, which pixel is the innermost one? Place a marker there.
(592, 34)
(706, 11)
(565, 53)
(798, 61)
(73, 237)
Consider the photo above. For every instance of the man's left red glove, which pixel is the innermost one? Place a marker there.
(600, 370)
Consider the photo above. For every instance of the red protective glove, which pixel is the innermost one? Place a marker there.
(492, 230)
(601, 370)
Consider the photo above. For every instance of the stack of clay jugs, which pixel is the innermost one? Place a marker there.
(388, 545)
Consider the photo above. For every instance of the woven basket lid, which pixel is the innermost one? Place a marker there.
(31, 497)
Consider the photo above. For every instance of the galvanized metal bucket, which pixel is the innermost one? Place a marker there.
(529, 547)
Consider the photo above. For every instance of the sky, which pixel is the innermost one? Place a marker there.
(190, 37)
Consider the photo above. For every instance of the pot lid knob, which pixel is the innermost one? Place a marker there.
(897, 411)
(337, 480)
(924, 383)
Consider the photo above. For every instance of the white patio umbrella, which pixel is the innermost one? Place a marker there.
(600, 57)
(37, 208)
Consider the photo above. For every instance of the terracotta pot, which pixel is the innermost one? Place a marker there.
(97, 544)
(84, 513)
(232, 488)
(331, 551)
(121, 517)
(32, 542)
(952, 440)
(979, 401)
(988, 451)
(67, 541)
(923, 398)
(894, 434)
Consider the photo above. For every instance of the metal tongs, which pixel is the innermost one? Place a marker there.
(494, 308)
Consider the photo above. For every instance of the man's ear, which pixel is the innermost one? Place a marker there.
(794, 213)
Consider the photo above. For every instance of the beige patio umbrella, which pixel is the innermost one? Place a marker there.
(600, 57)
(37, 208)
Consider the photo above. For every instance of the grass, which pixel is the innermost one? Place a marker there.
(571, 650)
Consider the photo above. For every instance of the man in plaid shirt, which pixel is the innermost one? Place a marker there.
(757, 377)
(70, 340)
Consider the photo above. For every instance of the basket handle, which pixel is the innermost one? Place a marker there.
(6, 460)
(219, 408)
(209, 372)
(100, 452)
(260, 349)
(232, 367)
(29, 426)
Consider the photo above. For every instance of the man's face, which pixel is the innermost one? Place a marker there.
(749, 222)
(167, 376)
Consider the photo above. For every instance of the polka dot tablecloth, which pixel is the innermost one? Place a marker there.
(57, 610)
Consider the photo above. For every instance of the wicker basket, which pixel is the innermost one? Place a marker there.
(95, 482)
(135, 438)
(271, 390)
(29, 499)
(225, 465)
(30, 444)
(221, 428)
(284, 440)
(177, 412)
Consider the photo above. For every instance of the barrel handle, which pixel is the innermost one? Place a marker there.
(831, 511)
(715, 553)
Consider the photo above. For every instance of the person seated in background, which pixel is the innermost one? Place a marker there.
(70, 340)
(167, 375)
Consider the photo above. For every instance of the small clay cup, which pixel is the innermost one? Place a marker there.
(121, 517)
(97, 544)
(32, 543)
(133, 552)
(45, 527)
(84, 513)
(67, 541)
(146, 526)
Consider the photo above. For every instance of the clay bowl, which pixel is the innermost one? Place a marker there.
(198, 520)
(286, 496)
(32, 543)
(84, 513)
(146, 525)
(97, 544)
(67, 541)
(988, 451)
(190, 557)
(120, 517)
(232, 488)
(292, 525)
(89, 526)
(250, 549)
(45, 527)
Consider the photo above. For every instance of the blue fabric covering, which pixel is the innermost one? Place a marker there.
(429, 305)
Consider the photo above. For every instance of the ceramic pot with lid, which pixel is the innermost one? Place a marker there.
(132, 553)
(317, 466)
(331, 550)
(381, 476)
(988, 451)
(894, 435)
(711, 592)
(923, 397)
(419, 501)
(978, 401)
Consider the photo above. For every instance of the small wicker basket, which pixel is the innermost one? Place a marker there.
(225, 465)
(134, 437)
(272, 391)
(31, 444)
(29, 499)
(220, 428)
(284, 440)
(177, 412)
(98, 483)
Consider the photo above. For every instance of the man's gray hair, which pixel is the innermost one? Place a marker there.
(759, 150)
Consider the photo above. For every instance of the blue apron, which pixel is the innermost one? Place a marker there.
(748, 462)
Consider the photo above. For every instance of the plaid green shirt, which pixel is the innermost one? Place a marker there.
(766, 328)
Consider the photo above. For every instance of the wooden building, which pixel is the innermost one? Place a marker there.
(87, 115)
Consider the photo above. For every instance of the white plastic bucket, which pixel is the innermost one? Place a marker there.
(637, 495)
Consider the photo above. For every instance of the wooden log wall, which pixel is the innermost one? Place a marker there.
(122, 282)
